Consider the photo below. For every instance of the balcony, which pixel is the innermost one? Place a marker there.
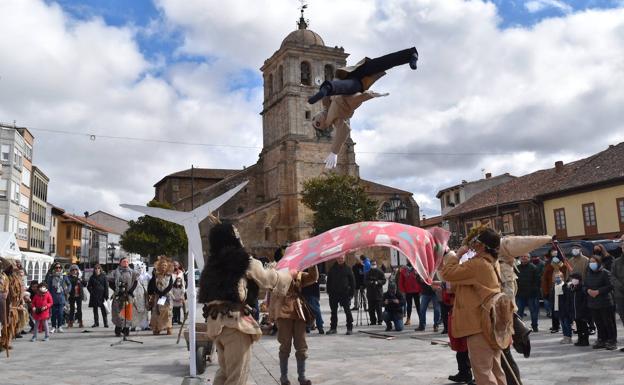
(25, 210)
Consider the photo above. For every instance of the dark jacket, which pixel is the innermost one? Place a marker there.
(575, 302)
(358, 274)
(395, 309)
(98, 290)
(313, 290)
(76, 288)
(153, 289)
(340, 281)
(528, 281)
(375, 280)
(617, 277)
(598, 280)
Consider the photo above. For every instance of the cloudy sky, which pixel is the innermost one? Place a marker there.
(502, 86)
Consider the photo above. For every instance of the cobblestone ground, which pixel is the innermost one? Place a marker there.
(84, 356)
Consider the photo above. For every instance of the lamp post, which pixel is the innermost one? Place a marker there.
(395, 210)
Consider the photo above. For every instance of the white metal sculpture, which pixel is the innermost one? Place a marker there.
(190, 220)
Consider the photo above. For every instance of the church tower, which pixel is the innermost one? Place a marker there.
(292, 151)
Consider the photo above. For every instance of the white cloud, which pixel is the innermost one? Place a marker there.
(552, 91)
(535, 6)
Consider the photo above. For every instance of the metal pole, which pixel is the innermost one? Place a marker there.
(192, 308)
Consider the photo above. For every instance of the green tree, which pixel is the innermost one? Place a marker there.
(152, 236)
(337, 200)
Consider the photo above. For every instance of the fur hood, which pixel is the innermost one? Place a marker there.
(221, 275)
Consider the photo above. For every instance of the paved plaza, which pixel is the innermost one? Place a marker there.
(84, 358)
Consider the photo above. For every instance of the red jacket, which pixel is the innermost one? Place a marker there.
(42, 301)
(408, 281)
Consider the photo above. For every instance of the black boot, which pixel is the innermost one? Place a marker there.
(283, 363)
(118, 331)
(301, 372)
(461, 377)
(414, 60)
(126, 332)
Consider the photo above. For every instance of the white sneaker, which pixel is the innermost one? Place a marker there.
(60, 330)
(53, 331)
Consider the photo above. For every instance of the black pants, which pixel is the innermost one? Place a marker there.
(555, 320)
(582, 330)
(374, 310)
(444, 312)
(176, 314)
(463, 363)
(510, 368)
(383, 63)
(605, 324)
(96, 319)
(409, 297)
(345, 302)
(75, 309)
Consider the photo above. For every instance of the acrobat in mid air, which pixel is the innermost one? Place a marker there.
(342, 96)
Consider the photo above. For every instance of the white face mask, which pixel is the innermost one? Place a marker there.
(554, 253)
(575, 281)
(576, 252)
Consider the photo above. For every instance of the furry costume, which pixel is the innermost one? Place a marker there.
(5, 337)
(123, 283)
(226, 287)
(160, 287)
(341, 97)
(140, 318)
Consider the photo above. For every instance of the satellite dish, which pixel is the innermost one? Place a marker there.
(318, 80)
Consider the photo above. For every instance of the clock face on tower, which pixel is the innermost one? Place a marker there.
(318, 80)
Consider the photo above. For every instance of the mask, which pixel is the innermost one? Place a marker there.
(555, 261)
(554, 253)
(593, 266)
(43, 291)
(518, 262)
(575, 281)
(558, 280)
(576, 252)
(597, 252)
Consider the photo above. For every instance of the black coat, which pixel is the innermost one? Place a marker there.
(598, 280)
(98, 290)
(395, 309)
(76, 288)
(576, 302)
(528, 281)
(375, 280)
(340, 281)
(313, 290)
(358, 273)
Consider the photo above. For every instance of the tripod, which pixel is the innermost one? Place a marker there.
(362, 311)
(124, 337)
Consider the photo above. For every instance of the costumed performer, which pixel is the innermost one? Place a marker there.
(159, 289)
(140, 306)
(123, 283)
(228, 287)
(341, 97)
(289, 313)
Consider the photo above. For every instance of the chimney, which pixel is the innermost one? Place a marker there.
(488, 175)
(86, 214)
(558, 166)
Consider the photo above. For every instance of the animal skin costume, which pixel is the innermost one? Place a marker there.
(123, 283)
(140, 307)
(341, 97)
(160, 287)
(228, 285)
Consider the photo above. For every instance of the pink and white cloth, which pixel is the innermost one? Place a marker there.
(423, 248)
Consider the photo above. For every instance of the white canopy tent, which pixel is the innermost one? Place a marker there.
(36, 265)
(8, 246)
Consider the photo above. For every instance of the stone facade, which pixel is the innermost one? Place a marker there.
(269, 212)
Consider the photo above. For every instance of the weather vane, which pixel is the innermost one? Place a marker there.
(303, 23)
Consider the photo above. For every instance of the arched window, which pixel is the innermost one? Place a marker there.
(280, 78)
(329, 72)
(306, 75)
(270, 84)
(37, 273)
(267, 233)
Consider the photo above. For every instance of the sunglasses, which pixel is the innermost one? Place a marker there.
(57, 267)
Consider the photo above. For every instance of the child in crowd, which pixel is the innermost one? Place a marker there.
(560, 308)
(41, 304)
(576, 301)
(394, 303)
(177, 293)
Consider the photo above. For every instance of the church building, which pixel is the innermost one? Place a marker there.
(269, 212)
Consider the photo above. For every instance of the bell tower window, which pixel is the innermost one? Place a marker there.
(270, 85)
(306, 76)
(280, 78)
(329, 72)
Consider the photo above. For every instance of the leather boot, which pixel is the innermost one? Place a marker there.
(118, 331)
(283, 363)
(301, 372)
(70, 324)
(80, 324)
(126, 332)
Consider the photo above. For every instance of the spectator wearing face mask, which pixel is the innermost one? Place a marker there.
(607, 259)
(528, 290)
(548, 281)
(578, 261)
(598, 288)
(576, 305)
(560, 308)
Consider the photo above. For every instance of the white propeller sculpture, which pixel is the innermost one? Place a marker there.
(190, 220)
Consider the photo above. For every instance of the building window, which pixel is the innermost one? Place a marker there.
(589, 219)
(307, 115)
(561, 229)
(17, 158)
(620, 206)
(267, 233)
(3, 188)
(68, 232)
(5, 152)
(456, 198)
(280, 78)
(329, 72)
(306, 74)
(508, 226)
(22, 231)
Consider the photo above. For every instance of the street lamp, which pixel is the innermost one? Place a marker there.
(111, 253)
(395, 202)
(401, 212)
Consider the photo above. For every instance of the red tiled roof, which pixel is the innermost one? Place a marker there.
(200, 173)
(373, 187)
(605, 166)
(433, 221)
(82, 220)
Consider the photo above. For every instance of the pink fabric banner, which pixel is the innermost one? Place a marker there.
(423, 248)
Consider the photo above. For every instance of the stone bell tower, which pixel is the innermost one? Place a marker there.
(292, 149)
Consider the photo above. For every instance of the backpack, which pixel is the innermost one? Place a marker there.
(497, 319)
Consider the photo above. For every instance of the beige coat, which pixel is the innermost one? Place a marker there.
(266, 278)
(286, 306)
(473, 282)
(579, 265)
